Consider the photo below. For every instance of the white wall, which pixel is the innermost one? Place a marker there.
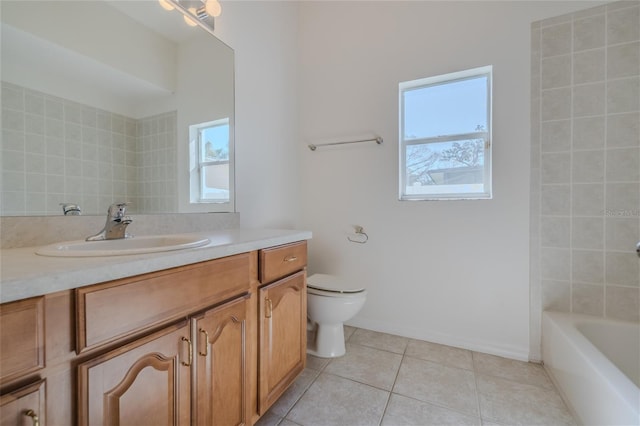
(454, 272)
(449, 272)
(263, 35)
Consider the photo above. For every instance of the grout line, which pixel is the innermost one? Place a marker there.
(439, 405)
(303, 393)
(571, 160)
(604, 171)
(536, 291)
(395, 380)
(295, 402)
(358, 381)
(477, 388)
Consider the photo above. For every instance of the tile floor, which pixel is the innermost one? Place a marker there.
(391, 380)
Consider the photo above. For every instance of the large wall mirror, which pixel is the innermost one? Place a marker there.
(106, 101)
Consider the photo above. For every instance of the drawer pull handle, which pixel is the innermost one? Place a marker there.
(268, 308)
(290, 259)
(206, 343)
(34, 417)
(190, 346)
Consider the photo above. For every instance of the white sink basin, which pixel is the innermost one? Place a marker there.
(134, 245)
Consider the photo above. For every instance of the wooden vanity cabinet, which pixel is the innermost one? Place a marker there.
(282, 320)
(212, 343)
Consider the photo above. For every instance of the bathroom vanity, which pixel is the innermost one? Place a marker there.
(212, 335)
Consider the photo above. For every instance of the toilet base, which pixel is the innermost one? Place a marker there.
(328, 342)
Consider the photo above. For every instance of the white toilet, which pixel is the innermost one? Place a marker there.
(331, 302)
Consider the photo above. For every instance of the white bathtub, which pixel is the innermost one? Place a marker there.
(595, 363)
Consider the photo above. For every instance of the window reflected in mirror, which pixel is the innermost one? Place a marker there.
(211, 162)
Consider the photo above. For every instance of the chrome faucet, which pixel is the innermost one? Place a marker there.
(71, 209)
(116, 225)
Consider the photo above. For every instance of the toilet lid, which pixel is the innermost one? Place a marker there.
(331, 283)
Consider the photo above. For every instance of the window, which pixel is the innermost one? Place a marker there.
(445, 136)
(211, 163)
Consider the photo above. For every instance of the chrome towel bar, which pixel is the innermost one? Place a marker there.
(377, 140)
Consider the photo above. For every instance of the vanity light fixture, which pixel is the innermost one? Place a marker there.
(196, 12)
(166, 5)
(188, 19)
(213, 8)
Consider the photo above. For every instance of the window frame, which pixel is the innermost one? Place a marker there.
(202, 164)
(197, 184)
(486, 136)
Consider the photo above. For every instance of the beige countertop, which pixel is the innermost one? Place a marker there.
(24, 274)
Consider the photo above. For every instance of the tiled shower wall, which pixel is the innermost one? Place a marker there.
(55, 150)
(157, 173)
(585, 187)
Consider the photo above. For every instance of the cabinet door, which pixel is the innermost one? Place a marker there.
(221, 377)
(21, 338)
(24, 407)
(146, 382)
(283, 337)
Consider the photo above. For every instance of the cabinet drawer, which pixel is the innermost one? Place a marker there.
(278, 262)
(24, 406)
(21, 338)
(110, 311)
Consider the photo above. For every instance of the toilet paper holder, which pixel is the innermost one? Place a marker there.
(361, 236)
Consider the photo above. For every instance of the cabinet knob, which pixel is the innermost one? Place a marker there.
(290, 259)
(34, 417)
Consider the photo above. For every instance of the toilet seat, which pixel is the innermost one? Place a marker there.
(328, 285)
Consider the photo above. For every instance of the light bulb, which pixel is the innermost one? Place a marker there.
(188, 19)
(166, 5)
(213, 8)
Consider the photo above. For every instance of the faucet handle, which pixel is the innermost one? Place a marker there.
(71, 209)
(117, 210)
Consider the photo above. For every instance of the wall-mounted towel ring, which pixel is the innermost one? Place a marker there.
(361, 236)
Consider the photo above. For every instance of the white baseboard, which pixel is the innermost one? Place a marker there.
(506, 351)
